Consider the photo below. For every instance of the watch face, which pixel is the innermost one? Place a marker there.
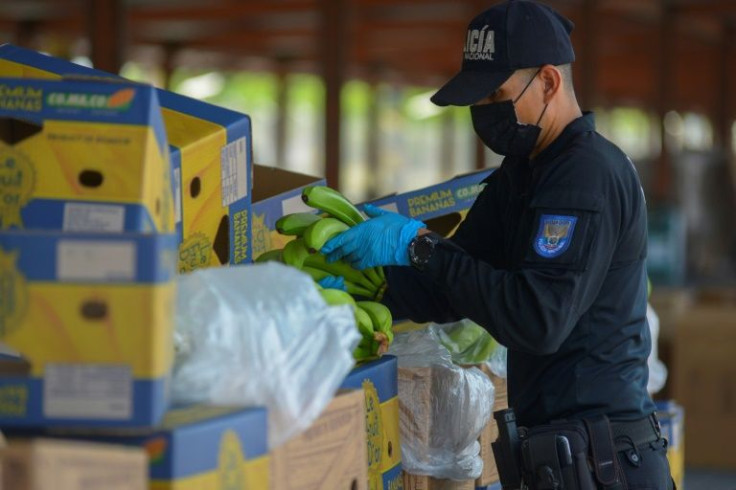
(421, 250)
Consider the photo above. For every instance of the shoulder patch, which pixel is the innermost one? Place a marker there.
(554, 235)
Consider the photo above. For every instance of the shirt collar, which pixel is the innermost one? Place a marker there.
(583, 124)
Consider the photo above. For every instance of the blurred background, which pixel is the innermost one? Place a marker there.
(340, 88)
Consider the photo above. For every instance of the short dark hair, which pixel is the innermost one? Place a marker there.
(565, 71)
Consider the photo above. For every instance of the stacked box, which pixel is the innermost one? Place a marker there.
(201, 447)
(379, 381)
(489, 476)
(330, 454)
(83, 156)
(276, 192)
(423, 383)
(42, 464)
(211, 158)
(672, 420)
(194, 447)
(90, 319)
(704, 384)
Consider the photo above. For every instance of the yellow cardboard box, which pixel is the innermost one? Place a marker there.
(379, 381)
(330, 454)
(43, 464)
(276, 192)
(211, 158)
(82, 155)
(86, 322)
(196, 447)
(441, 206)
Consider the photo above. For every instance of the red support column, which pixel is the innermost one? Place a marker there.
(332, 46)
(663, 180)
(373, 141)
(723, 118)
(106, 28)
(282, 103)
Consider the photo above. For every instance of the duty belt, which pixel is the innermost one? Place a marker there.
(635, 432)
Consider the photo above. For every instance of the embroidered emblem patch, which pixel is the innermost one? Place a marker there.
(554, 235)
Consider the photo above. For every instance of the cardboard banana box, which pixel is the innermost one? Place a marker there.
(379, 381)
(195, 447)
(86, 325)
(441, 206)
(83, 155)
(211, 157)
(276, 192)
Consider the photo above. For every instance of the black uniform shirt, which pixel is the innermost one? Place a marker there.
(551, 261)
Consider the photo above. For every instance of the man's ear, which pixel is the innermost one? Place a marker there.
(552, 80)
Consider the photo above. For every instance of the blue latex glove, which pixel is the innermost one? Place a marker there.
(333, 282)
(381, 240)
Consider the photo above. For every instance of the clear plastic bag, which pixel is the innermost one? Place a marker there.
(468, 342)
(261, 335)
(443, 408)
(657, 369)
(497, 362)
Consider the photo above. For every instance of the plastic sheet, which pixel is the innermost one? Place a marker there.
(443, 408)
(261, 335)
(468, 342)
(497, 362)
(657, 369)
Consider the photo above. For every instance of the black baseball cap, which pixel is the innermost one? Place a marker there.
(511, 35)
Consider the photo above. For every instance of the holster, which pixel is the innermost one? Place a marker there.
(571, 456)
(605, 463)
(555, 457)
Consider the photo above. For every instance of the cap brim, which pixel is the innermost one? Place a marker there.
(468, 87)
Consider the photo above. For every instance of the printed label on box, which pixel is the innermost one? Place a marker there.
(88, 390)
(294, 205)
(177, 195)
(78, 260)
(93, 217)
(234, 172)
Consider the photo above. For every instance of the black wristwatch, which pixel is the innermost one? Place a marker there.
(421, 249)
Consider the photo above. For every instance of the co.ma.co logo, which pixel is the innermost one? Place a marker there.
(480, 44)
(119, 100)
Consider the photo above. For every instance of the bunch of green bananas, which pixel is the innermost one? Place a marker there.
(373, 320)
(364, 288)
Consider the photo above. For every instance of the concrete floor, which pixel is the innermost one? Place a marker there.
(701, 479)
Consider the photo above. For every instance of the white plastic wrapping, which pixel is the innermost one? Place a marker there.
(657, 369)
(261, 335)
(497, 361)
(443, 409)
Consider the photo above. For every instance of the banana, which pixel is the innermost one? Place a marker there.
(319, 232)
(333, 203)
(317, 275)
(340, 268)
(365, 325)
(374, 276)
(294, 224)
(380, 316)
(295, 253)
(357, 290)
(362, 354)
(271, 255)
(336, 297)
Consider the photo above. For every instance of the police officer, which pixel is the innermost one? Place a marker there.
(551, 257)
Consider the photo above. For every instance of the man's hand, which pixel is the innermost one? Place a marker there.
(381, 240)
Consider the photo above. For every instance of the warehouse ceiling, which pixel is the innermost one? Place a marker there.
(648, 52)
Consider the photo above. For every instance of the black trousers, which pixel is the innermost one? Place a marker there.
(646, 467)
